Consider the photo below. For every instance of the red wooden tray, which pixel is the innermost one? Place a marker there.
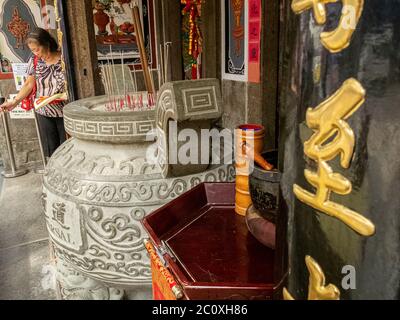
(207, 247)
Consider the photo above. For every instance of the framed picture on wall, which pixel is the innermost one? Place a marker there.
(234, 39)
(6, 71)
(5, 65)
(115, 32)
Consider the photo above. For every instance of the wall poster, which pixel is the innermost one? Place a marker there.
(18, 112)
(6, 71)
(115, 32)
(20, 74)
(234, 39)
(254, 40)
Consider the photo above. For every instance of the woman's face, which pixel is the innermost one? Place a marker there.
(37, 50)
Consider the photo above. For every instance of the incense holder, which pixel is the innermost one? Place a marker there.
(98, 187)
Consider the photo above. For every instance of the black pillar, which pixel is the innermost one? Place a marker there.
(310, 75)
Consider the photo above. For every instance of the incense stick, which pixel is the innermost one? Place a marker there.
(159, 77)
(166, 60)
(151, 79)
(110, 79)
(134, 75)
(162, 67)
(114, 73)
(123, 73)
(103, 79)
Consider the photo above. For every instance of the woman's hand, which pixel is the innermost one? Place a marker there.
(23, 93)
(8, 106)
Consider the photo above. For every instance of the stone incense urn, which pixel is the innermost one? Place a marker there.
(99, 186)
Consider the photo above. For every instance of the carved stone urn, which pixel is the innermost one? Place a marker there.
(98, 187)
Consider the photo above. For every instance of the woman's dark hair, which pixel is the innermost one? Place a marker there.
(44, 39)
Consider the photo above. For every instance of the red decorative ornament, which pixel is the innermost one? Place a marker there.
(101, 19)
(18, 28)
(238, 33)
(192, 8)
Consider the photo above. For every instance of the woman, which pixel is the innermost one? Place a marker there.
(46, 71)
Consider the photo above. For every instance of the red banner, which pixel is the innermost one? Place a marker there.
(254, 40)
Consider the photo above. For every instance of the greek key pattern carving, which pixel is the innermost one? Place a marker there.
(165, 104)
(108, 129)
(200, 101)
(181, 102)
(166, 110)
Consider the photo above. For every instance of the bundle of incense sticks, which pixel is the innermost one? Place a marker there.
(119, 99)
(138, 101)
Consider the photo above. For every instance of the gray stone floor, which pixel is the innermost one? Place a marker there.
(26, 272)
(24, 244)
(25, 268)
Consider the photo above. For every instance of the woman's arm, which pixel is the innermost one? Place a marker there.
(25, 90)
(23, 93)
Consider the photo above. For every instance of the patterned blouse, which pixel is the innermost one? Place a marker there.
(50, 80)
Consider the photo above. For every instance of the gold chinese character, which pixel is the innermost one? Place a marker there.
(333, 137)
(338, 39)
(317, 289)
